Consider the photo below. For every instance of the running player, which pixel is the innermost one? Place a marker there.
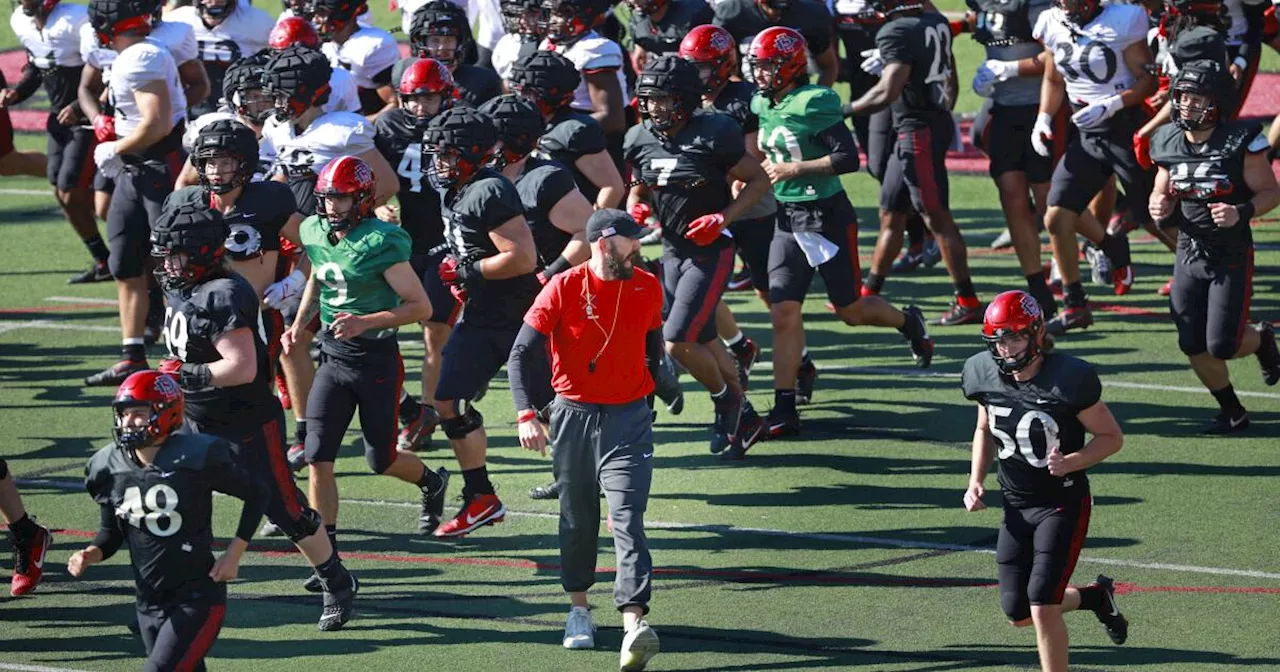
(441, 31)
(602, 91)
(744, 19)
(30, 541)
(367, 51)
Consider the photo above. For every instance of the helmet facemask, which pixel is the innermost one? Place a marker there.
(221, 172)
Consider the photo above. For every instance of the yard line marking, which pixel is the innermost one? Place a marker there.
(789, 534)
(35, 668)
(10, 325)
(81, 299)
(27, 192)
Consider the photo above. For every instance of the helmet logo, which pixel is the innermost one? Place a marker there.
(1030, 306)
(784, 42)
(720, 41)
(363, 174)
(167, 387)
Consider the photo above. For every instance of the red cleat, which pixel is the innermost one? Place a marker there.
(1166, 289)
(28, 562)
(478, 511)
(283, 387)
(1122, 279)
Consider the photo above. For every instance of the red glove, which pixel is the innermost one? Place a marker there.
(104, 128)
(448, 270)
(1142, 150)
(705, 229)
(459, 292)
(171, 366)
(640, 212)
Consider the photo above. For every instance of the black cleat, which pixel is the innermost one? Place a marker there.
(917, 334)
(96, 273)
(750, 431)
(548, 491)
(958, 314)
(780, 424)
(745, 354)
(339, 607)
(728, 417)
(1268, 354)
(741, 280)
(1071, 317)
(907, 262)
(1224, 423)
(805, 378)
(313, 584)
(115, 374)
(433, 504)
(1116, 625)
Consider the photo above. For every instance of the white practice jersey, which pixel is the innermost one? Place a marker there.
(179, 38)
(141, 64)
(505, 54)
(58, 45)
(592, 52)
(241, 34)
(344, 95)
(1091, 59)
(330, 136)
(368, 52)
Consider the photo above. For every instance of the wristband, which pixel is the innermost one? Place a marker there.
(527, 415)
(560, 264)
(1240, 62)
(195, 376)
(1246, 210)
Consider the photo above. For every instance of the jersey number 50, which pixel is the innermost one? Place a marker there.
(1022, 432)
(159, 512)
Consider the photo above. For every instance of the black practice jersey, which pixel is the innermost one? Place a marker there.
(484, 203)
(261, 210)
(663, 36)
(399, 139)
(571, 135)
(688, 173)
(735, 101)
(541, 185)
(194, 319)
(1027, 419)
(1001, 22)
(922, 41)
(476, 84)
(1210, 173)
(164, 511)
(744, 18)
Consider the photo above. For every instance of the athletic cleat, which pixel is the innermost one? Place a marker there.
(544, 492)
(297, 457)
(579, 629)
(1099, 265)
(1003, 241)
(1116, 625)
(1166, 289)
(745, 355)
(417, 434)
(339, 607)
(313, 584)
(958, 314)
(930, 254)
(639, 646)
(805, 379)
(477, 511)
(270, 529)
(908, 261)
(115, 374)
(741, 280)
(1223, 423)
(28, 562)
(654, 235)
(1268, 354)
(750, 431)
(1071, 317)
(780, 424)
(1122, 280)
(728, 418)
(917, 334)
(95, 273)
(433, 504)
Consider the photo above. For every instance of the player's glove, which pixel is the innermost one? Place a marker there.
(104, 128)
(465, 272)
(1092, 116)
(108, 162)
(992, 72)
(1042, 134)
(706, 229)
(1142, 150)
(641, 212)
(872, 63)
(189, 376)
(287, 292)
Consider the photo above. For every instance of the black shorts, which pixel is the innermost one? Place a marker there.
(752, 238)
(6, 134)
(70, 153)
(1036, 553)
(444, 307)
(372, 385)
(471, 358)
(178, 628)
(1089, 162)
(1007, 141)
(1210, 303)
(789, 271)
(916, 176)
(137, 201)
(692, 286)
(879, 143)
(103, 183)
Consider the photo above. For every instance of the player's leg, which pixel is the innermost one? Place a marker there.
(71, 172)
(895, 207)
(1076, 179)
(574, 432)
(330, 408)
(299, 371)
(419, 423)
(189, 629)
(30, 541)
(1014, 552)
(1014, 164)
(1138, 183)
(789, 279)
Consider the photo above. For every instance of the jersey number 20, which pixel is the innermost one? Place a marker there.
(158, 511)
(1021, 439)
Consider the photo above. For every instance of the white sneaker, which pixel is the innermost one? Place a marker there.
(1003, 241)
(638, 648)
(579, 630)
(1098, 264)
(654, 235)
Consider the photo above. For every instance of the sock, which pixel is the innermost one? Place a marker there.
(429, 481)
(300, 431)
(804, 357)
(477, 481)
(332, 531)
(742, 347)
(134, 350)
(784, 401)
(1090, 598)
(716, 396)
(98, 249)
(874, 283)
(730, 342)
(964, 290)
(1228, 401)
(1075, 294)
(1116, 247)
(23, 529)
(333, 573)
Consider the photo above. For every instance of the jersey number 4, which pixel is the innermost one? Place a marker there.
(1001, 422)
(158, 510)
(410, 167)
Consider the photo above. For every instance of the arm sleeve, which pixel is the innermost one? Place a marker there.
(893, 45)
(225, 476)
(519, 364)
(653, 352)
(109, 537)
(31, 78)
(843, 151)
(1255, 16)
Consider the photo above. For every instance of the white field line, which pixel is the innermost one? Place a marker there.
(35, 668)
(27, 192)
(82, 299)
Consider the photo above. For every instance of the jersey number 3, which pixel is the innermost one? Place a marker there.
(1021, 439)
(159, 510)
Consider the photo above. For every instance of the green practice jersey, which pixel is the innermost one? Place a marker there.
(789, 132)
(350, 273)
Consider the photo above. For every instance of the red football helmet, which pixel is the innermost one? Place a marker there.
(345, 176)
(426, 77)
(778, 58)
(712, 49)
(293, 30)
(1014, 314)
(158, 390)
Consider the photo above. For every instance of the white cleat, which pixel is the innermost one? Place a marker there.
(579, 629)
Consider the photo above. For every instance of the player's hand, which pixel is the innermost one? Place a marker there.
(1224, 216)
(1142, 150)
(7, 96)
(227, 566)
(387, 213)
(288, 339)
(448, 270)
(1159, 205)
(973, 497)
(81, 560)
(280, 295)
(1093, 115)
(641, 212)
(779, 172)
(872, 62)
(706, 229)
(1042, 134)
(171, 366)
(109, 164)
(1057, 463)
(1159, 98)
(992, 72)
(1237, 68)
(68, 116)
(104, 128)
(347, 326)
(533, 436)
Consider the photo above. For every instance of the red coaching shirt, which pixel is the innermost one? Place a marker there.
(577, 331)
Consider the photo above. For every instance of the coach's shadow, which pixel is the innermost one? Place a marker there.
(1087, 656)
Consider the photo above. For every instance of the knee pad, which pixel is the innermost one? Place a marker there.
(4, 470)
(305, 526)
(460, 426)
(1015, 605)
(1223, 350)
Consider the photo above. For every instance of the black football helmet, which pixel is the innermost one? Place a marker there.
(190, 239)
(110, 18)
(332, 16)
(225, 138)
(568, 20)
(547, 78)
(440, 18)
(1079, 12)
(1212, 88)
(675, 80)
(296, 79)
(460, 141)
(524, 18)
(519, 125)
(243, 88)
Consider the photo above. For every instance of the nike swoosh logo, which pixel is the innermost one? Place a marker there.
(1235, 422)
(1112, 602)
(646, 456)
(167, 474)
(40, 563)
(471, 520)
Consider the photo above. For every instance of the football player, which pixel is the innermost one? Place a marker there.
(491, 267)
(744, 19)
(245, 103)
(13, 162)
(602, 91)
(344, 95)
(1034, 409)
(658, 26)
(807, 147)
(148, 97)
(225, 30)
(1214, 179)
(525, 28)
(918, 82)
(154, 487)
(1098, 58)
(683, 162)
(367, 51)
(302, 9)
(441, 31)
(30, 541)
(1245, 19)
(573, 138)
(365, 289)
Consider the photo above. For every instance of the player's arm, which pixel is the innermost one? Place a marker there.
(1160, 204)
(893, 80)
(606, 100)
(155, 119)
(385, 176)
(1107, 441)
(308, 307)
(89, 90)
(755, 182)
(828, 63)
(389, 102)
(980, 461)
(1053, 89)
(195, 81)
(25, 88)
(517, 255)
(1137, 57)
(238, 366)
(187, 176)
(108, 540)
(227, 477)
(1254, 18)
(529, 341)
(600, 169)
(570, 214)
(1259, 178)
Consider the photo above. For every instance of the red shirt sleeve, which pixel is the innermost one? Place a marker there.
(544, 314)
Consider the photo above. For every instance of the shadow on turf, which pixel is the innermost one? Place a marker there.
(1134, 655)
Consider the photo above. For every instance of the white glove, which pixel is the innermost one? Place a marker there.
(992, 72)
(108, 162)
(872, 64)
(1042, 134)
(1092, 115)
(280, 295)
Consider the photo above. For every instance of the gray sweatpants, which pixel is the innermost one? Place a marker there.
(609, 448)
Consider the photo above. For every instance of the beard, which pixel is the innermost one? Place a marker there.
(623, 267)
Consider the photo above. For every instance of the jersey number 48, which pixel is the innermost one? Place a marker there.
(158, 510)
